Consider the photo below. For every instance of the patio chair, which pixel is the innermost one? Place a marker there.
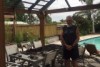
(93, 53)
(11, 49)
(59, 58)
(11, 64)
(81, 54)
(50, 59)
(91, 48)
(26, 46)
(37, 46)
(33, 48)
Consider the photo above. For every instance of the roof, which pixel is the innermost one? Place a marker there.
(35, 6)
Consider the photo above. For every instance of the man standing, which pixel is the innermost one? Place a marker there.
(70, 38)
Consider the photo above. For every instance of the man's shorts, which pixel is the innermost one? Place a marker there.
(73, 54)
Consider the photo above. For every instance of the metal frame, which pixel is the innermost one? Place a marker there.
(67, 3)
(33, 5)
(8, 11)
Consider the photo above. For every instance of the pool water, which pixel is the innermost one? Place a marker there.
(95, 41)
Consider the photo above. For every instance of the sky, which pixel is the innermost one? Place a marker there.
(61, 4)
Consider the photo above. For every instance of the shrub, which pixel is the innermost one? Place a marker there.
(29, 36)
(18, 37)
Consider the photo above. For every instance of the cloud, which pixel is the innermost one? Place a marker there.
(59, 16)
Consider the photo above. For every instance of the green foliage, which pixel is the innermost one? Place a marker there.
(97, 28)
(6, 19)
(97, 17)
(88, 2)
(18, 37)
(55, 22)
(83, 24)
(24, 36)
(48, 19)
(28, 36)
(11, 4)
(20, 17)
(88, 13)
(46, 42)
(8, 33)
(31, 19)
(62, 21)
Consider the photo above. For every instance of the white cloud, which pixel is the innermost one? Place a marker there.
(59, 16)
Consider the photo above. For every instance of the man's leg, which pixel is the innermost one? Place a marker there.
(74, 63)
(67, 63)
(75, 56)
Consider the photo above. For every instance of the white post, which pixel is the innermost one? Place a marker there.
(93, 26)
(93, 20)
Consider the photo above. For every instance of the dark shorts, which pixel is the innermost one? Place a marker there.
(73, 54)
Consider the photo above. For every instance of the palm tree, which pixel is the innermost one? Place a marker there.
(81, 21)
(88, 2)
(89, 13)
(48, 19)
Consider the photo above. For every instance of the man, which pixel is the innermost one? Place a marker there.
(70, 38)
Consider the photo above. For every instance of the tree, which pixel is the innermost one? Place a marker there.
(97, 21)
(48, 19)
(88, 2)
(20, 17)
(62, 20)
(81, 22)
(89, 13)
(10, 4)
(30, 19)
(97, 16)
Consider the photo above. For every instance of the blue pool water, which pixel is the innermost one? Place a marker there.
(95, 40)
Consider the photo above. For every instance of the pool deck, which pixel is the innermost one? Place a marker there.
(89, 36)
(81, 38)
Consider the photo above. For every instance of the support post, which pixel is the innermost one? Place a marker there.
(2, 35)
(42, 18)
(14, 26)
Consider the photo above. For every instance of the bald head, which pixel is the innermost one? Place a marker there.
(69, 20)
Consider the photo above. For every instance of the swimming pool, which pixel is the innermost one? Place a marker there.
(95, 40)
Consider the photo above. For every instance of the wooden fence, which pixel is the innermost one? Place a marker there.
(50, 30)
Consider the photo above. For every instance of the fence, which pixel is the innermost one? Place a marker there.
(50, 30)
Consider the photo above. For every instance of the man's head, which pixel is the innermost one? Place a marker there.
(69, 20)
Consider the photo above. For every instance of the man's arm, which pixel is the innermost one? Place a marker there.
(68, 47)
(78, 37)
(62, 40)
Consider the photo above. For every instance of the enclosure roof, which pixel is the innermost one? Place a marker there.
(50, 6)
